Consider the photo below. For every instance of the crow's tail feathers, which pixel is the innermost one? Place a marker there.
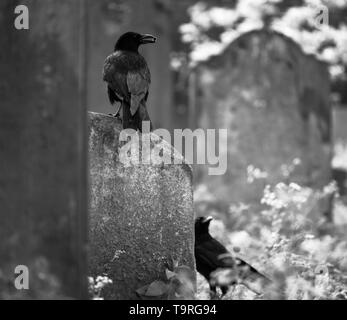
(115, 100)
(135, 121)
(229, 261)
(235, 270)
(129, 121)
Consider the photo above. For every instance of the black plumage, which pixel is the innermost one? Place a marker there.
(128, 78)
(212, 257)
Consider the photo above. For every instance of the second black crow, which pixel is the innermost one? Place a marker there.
(212, 258)
(128, 79)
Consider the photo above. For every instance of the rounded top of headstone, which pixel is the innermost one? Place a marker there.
(272, 61)
(260, 40)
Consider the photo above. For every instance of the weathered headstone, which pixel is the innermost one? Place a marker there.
(43, 159)
(141, 215)
(274, 101)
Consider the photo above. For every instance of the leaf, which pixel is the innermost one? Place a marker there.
(169, 274)
(142, 291)
(156, 288)
(224, 277)
(180, 290)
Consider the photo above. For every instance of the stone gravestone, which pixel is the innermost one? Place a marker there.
(274, 101)
(141, 215)
(43, 158)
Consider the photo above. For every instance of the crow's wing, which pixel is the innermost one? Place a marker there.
(127, 74)
(115, 74)
(138, 85)
(209, 252)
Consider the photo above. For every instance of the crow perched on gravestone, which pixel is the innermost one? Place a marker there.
(216, 263)
(128, 79)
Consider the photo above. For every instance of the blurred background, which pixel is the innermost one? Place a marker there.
(274, 73)
(271, 72)
(191, 32)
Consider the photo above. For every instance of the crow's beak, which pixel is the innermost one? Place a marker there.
(208, 219)
(148, 38)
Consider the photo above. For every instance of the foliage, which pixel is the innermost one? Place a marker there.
(213, 27)
(303, 254)
(340, 156)
(178, 285)
(95, 286)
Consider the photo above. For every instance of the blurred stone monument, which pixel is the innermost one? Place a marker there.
(274, 101)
